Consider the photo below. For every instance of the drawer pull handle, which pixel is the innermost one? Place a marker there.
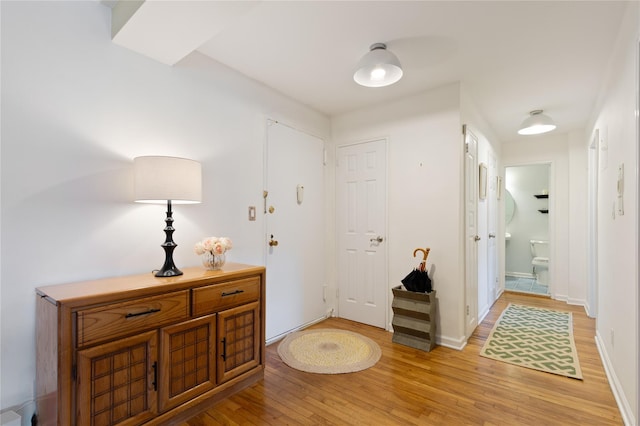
(150, 311)
(155, 376)
(231, 293)
(224, 348)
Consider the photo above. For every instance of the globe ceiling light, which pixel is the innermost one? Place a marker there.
(378, 68)
(536, 124)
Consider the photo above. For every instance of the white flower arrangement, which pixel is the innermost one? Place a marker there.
(213, 245)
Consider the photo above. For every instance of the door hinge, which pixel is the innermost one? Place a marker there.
(464, 129)
(467, 309)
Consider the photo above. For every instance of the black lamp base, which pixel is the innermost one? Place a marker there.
(169, 269)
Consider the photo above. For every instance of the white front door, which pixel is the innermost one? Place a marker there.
(472, 238)
(361, 229)
(294, 209)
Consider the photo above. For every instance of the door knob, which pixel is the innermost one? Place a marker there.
(492, 235)
(272, 242)
(476, 238)
(378, 239)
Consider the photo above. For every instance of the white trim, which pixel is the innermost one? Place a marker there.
(553, 243)
(519, 275)
(614, 383)
(637, 277)
(302, 327)
(451, 343)
(483, 315)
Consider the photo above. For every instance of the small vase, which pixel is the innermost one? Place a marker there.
(213, 262)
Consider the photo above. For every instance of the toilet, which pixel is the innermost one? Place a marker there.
(540, 261)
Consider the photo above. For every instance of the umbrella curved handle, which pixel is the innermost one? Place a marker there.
(425, 253)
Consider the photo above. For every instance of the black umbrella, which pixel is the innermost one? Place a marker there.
(418, 280)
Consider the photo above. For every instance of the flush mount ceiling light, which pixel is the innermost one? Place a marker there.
(536, 124)
(378, 68)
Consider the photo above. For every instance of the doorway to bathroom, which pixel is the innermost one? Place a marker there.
(527, 228)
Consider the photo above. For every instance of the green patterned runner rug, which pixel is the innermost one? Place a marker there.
(541, 339)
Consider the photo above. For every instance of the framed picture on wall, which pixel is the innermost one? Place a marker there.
(482, 193)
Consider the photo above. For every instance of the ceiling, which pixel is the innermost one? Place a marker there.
(511, 56)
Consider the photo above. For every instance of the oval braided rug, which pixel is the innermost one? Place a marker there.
(328, 351)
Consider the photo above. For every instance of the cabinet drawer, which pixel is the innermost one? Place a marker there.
(216, 297)
(110, 321)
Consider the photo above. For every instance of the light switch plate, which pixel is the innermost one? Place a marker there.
(252, 213)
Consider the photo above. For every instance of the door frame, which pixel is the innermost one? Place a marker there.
(592, 222)
(470, 316)
(387, 319)
(552, 216)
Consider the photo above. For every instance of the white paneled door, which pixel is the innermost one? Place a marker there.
(492, 226)
(472, 237)
(294, 241)
(361, 227)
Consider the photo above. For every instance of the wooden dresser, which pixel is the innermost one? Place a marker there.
(144, 350)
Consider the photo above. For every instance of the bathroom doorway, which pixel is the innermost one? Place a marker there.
(527, 228)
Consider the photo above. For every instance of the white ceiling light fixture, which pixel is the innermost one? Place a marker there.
(378, 68)
(536, 124)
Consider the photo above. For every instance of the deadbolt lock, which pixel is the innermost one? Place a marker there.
(271, 209)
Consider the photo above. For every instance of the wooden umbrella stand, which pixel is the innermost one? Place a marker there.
(414, 321)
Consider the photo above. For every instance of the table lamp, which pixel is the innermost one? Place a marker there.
(172, 180)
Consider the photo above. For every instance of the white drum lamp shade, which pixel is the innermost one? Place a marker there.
(160, 179)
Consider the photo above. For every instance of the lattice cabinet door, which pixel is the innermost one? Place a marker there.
(117, 382)
(238, 340)
(187, 359)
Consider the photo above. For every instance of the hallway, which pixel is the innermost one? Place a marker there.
(442, 387)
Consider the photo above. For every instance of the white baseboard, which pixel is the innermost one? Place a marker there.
(614, 383)
(448, 342)
(302, 327)
(484, 313)
(519, 274)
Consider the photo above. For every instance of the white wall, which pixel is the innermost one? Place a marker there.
(76, 109)
(616, 119)
(424, 199)
(578, 218)
(523, 182)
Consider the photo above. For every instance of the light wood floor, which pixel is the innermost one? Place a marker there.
(441, 387)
